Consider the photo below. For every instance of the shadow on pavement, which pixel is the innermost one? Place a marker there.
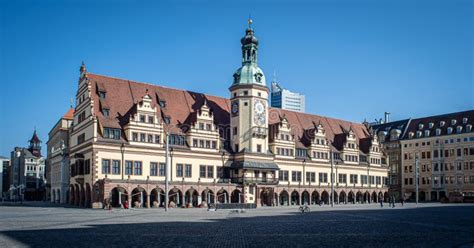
(423, 227)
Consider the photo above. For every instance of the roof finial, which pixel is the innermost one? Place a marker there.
(250, 21)
(72, 102)
(83, 67)
(274, 75)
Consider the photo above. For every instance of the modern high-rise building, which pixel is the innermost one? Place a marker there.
(285, 99)
(4, 169)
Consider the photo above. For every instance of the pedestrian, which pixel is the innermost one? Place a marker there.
(381, 202)
(402, 200)
(393, 201)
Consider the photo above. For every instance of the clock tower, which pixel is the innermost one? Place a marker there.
(249, 101)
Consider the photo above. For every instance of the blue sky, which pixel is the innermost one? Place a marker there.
(352, 59)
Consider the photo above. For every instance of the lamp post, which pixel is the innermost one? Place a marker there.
(417, 173)
(122, 151)
(331, 155)
(167, 170)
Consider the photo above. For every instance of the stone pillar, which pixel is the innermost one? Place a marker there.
(183, 202)
(148, 201)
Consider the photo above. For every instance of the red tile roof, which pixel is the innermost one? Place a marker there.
(69, 115)
(181, 105)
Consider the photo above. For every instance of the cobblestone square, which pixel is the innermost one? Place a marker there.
(425, 225)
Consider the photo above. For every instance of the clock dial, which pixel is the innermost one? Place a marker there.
(259, 111)
(235, 108)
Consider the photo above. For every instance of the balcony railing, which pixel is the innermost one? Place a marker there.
(259, 131)
(259, 180)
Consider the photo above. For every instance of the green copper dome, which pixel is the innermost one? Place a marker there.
(249, 73)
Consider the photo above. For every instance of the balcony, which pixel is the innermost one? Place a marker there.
(257, 180)
(260, 132)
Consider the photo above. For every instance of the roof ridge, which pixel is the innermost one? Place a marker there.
(444, 115)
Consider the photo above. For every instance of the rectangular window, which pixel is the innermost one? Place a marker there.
(142, 137)
(323, 177)
(128, 167)
(137, 167)
(81, 139)
(353, 178)
(283, 175)
(150, 138)
(210, 171)
(259, 148)
(153, 169)
(134, 136)
(179, 170)
(202, 171)
(116, 167)
(162, 169)
(105, 166)
(157, 139)
(342, 178)
(142, 118)
(187, 171)
(150, 119)
(214, 144)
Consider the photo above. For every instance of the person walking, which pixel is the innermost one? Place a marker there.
(402, 201)
(381, 202)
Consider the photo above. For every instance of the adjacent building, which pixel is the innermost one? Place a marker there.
(222, 150)
(285, 99)
(441, 147)
(58, 158)
(4, 181)
(28, 171)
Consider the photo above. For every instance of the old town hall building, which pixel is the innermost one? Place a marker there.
(222, 150)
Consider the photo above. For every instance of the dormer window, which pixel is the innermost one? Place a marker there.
(162, 103)
(420, 126)
(151, 119)
(418, 134)
(464, 120)
(427, 133)
(102, 94)
(105, 112)
(468, 128)
(410, 135)
(430, 125)
(208, 127)
(167, 120)
(450, 130)
(142, 118)
(458, 129)
(441, 123)
(201, 126)
(453, 122)
(438, 131)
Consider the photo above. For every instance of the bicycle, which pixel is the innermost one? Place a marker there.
(304, 209)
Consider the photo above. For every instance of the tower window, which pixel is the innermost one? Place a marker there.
(235, 131)
(246, 93)
(235, 94)
(259, 94)
(246, 103)
(259, 148)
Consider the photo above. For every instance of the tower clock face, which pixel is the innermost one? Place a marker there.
(259, 111)
(235, 108)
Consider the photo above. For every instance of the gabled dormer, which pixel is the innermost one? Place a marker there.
(203, 134)
(282, 141)
(144, 126)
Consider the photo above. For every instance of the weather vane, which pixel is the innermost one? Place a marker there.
(250, 21)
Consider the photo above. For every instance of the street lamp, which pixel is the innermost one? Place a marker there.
(167, 170)
(122, 150)
(417, 173)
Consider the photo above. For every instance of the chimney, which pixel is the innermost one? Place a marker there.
(387, 117)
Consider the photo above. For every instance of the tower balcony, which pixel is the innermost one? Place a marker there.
(260, 132)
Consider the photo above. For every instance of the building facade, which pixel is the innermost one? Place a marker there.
(58, 158)
(285, 99)
(28, 171)
(390, 134)
(222, 150)
(442, 147)
(4, 181)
